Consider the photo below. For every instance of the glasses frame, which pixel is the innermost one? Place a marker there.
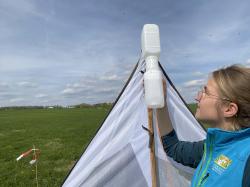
(202, 93)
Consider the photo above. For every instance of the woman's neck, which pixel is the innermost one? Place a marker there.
(228, 126)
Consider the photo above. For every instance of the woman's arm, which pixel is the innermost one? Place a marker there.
(186, 153)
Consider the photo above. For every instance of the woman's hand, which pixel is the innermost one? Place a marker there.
(164, 122)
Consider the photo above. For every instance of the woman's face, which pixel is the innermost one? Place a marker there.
(207, 104)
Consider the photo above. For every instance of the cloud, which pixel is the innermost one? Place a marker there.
(41, 95)
(4, 85)
(19, 63)
(194, 83)
(98, 85)
(198, 73)
(26, 84)
(16, 100)
(220, 33)
(23, 7)
(69, 91)
(92, 89)
(110, 78)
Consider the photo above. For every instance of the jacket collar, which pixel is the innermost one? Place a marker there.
(222, 137)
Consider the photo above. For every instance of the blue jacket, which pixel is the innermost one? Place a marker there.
(225, 160)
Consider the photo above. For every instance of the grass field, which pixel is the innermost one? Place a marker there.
(60, 134)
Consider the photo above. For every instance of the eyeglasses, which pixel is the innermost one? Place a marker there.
(204, 92)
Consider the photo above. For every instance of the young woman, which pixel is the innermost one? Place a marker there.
(223, 158)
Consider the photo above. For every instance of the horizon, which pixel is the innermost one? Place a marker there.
(31, 106)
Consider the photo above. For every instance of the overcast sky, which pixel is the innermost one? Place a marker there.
(69, 52)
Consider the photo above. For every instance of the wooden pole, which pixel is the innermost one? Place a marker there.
(152, 147)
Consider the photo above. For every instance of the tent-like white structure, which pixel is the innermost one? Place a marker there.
(119, 154)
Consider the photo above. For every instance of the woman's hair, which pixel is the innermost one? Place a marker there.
(234, 83)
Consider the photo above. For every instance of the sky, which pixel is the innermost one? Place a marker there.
(62, 52)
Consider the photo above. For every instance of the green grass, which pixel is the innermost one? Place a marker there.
(192, 107)
(60, 134)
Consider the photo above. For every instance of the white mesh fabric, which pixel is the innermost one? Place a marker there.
(119, 153)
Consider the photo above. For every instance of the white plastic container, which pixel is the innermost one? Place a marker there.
(150, 41)
(153, 89)
(153, 76)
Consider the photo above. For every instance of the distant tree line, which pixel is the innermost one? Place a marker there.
(83, 105)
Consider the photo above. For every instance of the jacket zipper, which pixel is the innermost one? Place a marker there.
(202, 163)
(205, 170)
(204, 178)
(203, 159)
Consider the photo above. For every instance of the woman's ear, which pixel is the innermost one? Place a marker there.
(230, 110)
